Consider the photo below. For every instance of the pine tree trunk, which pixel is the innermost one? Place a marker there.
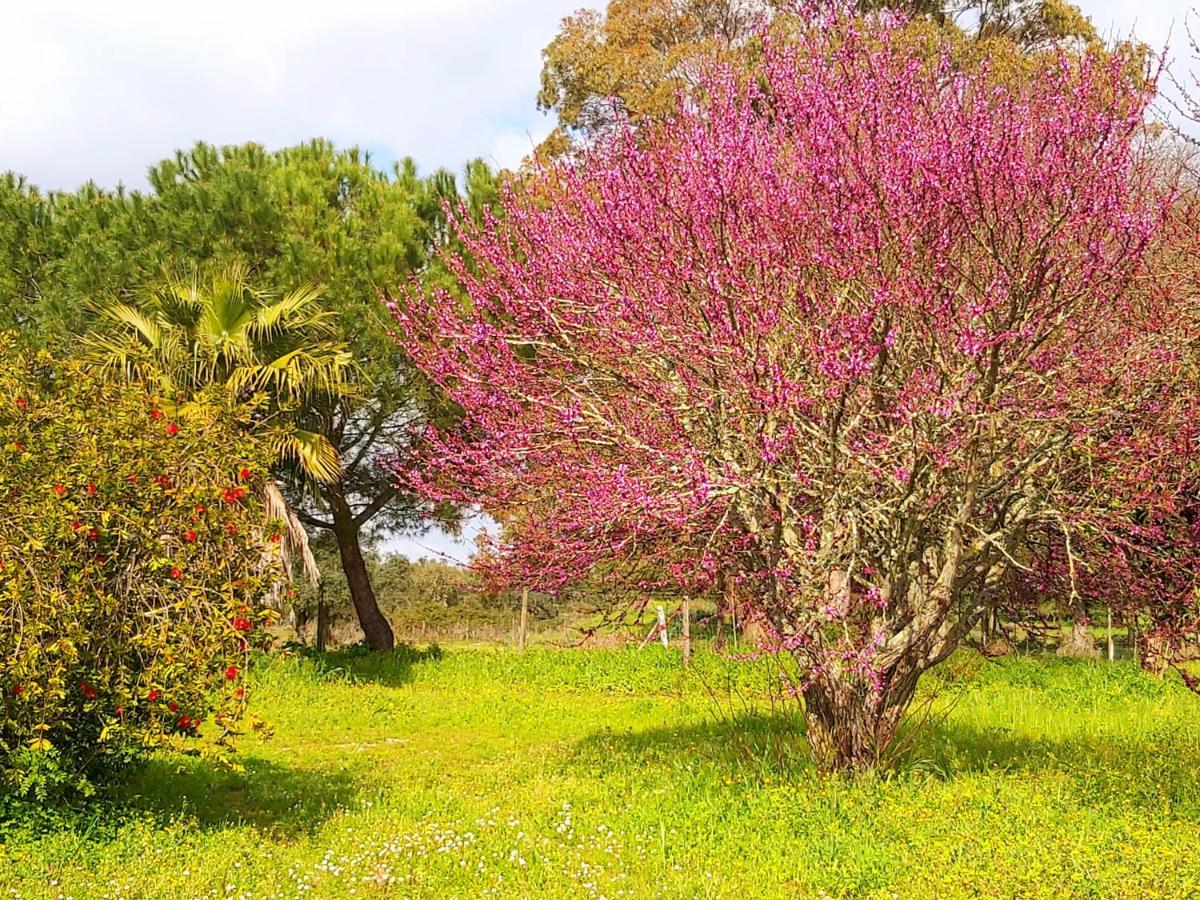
(376, 628)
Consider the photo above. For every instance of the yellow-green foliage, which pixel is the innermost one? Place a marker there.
(133, 554)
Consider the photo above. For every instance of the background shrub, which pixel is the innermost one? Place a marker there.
(133, 556)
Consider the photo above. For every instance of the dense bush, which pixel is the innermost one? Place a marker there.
(133, 553)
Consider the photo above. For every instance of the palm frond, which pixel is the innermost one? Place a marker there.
(121, 358)
(315, 456)
(295, 375)
(295, 539)
(146, 326)
(295, 310)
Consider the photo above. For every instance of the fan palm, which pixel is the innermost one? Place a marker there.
(190, 335)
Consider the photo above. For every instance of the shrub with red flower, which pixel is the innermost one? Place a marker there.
(81, 633)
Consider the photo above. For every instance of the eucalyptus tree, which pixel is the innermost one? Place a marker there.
(630, 61)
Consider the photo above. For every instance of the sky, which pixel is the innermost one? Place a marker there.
(102, 90)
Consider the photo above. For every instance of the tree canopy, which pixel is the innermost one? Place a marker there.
(631, 61)
(841, 333)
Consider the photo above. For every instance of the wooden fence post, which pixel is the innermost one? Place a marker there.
(1111, 653)
(687, 631)
(523, 630)
(662, 625)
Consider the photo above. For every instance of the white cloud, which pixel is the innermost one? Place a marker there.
(104, 90)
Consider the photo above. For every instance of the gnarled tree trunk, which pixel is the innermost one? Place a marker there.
(850, 724)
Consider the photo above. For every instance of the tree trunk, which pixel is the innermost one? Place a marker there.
(1155, 651)
(375, 627)
(322, 621)
(850, 726)
(1081, 644)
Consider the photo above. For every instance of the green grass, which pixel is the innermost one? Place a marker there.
(578, 773)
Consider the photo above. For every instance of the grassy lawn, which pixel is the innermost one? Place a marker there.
(610, 773)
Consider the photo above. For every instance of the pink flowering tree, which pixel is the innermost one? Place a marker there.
(1129, 512)
(837, 338)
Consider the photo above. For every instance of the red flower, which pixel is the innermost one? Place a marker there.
(240, 493)
(133, 479)
(22, 403)
(239, 693)
(189, 536)
(201, 509)
(17, 689)
(91, 488)
(120, 712)
(244, 474)
(176, 572)
(93, 533)
(184, 722)
(231, 673)
(230, 528)
(153, 695)
(241, 623)
(89, 692)
(162, 481)
(173, 706)
(275, 538)
(76, 524)
(172, 429)
(59, 490)
(156, 414)
(228, 496)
